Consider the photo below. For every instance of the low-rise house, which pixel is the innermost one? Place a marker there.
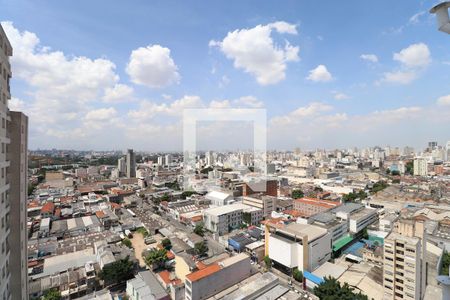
(145, 286)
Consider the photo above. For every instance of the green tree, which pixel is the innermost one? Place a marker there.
(297, 274)
(127, 242)
(247, 218)
(445, 263)
(267, 261)
(410, 167)
(117, 272)
(199, 229)
(200, 248)
(388, 171)
(331, 289)
(297, 194)
(166, 243)
(365, 234)
(52, 294)
(186, 194)
(395, 173)
(156, 258)
(142, 231)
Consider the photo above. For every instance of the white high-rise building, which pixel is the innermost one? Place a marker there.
(122, 166)
(13, 188)
(447, 151)
(168, 159)
(420, 167)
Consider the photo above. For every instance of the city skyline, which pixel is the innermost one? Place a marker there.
(123, 80)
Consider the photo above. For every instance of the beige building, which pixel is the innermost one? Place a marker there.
(404, 266)
(266, 203)
(13, 187)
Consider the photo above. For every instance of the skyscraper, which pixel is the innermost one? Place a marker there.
(18, 195)
(420, 167)
(122, 166)
(131, 164)
(13, 187)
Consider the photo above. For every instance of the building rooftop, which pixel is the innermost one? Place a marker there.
(313, 232)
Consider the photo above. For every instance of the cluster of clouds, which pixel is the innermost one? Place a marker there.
(72, 99)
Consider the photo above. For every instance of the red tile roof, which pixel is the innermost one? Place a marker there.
(200, 274)
(48, 207)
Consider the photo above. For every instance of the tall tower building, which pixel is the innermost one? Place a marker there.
(13, 187)
(18, 195)
(131, 164)
(402, 267)
(122, 166)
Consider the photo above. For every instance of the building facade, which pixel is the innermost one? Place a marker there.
(402, 274)
(131, 164)
(13, 187)
(420, 167)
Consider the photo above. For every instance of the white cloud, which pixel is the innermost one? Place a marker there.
(249, 101)
(219, 104)
(224, 81)
(416, 55)
(152, 66)
(369, 57)
(416, 17)
(118, 93)
(15, 104)
(340, 96)
(399, 77)
(101, 114)
(444, 100)
(254, 51)
(62, 87)
(320, 74)
(298, 115)
(148, 109)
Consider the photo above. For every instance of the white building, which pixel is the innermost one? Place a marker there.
(219, 198)
(146, 286)
(13, 187)
(217, 277)
(266, 203)
(420, 167)
(301, 246)
(361, 219)
(222, 219)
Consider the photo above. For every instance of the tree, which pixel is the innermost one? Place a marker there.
(186, 194)
(297, 274)
(267, 261)
(331, 289)
(410, 167)
(156, 258)
(200, 248)
(365, 234)
(395, 173)
(199, 229)
(142, 231)
(118, 271)
(127, 242)
(297, 194)
(166, 243)
(445, 263)
(52, 294)
(388, 171)
(247, 218)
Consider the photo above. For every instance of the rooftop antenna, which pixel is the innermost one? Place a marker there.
(441, 11)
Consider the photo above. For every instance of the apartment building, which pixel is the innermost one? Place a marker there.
(223, 218)
(217, 277)
(403, 273)
(131, 164)
(18, 196)
(301, 246)
(361, 219)
(13, 187)
(311, 206)
(420, 166)
(266, 203)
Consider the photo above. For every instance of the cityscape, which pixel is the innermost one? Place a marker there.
(187, 150)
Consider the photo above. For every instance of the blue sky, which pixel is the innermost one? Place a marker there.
(109, 75)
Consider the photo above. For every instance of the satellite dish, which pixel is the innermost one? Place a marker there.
(441, 11)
